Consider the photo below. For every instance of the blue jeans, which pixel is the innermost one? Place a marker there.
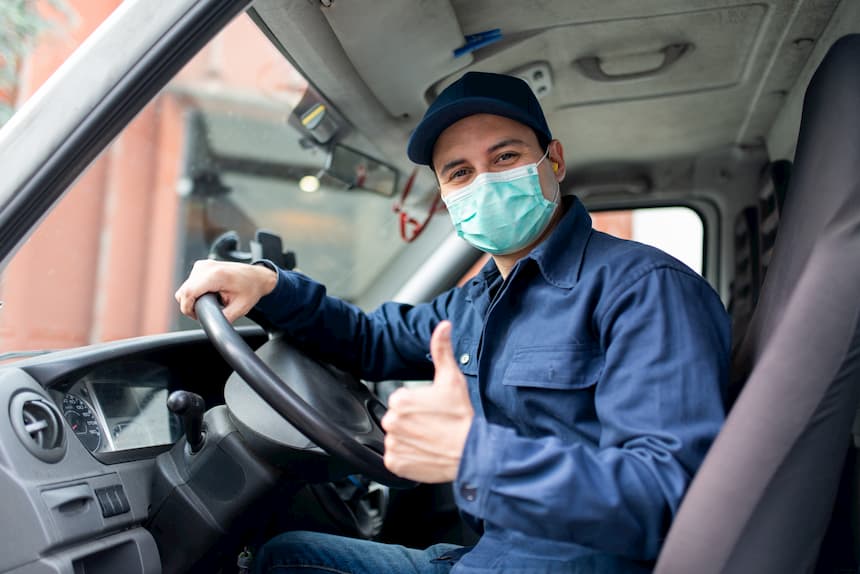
(315, 553)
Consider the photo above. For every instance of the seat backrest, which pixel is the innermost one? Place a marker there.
(763, 496)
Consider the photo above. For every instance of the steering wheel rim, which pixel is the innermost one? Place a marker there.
(287, 403)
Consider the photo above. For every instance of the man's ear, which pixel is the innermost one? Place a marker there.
(556, 158)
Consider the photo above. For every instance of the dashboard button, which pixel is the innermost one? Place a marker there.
(119, 493)
(106, 502)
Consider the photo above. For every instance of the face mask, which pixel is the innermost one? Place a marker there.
(502, 212)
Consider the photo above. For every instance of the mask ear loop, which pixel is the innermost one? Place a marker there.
(544, 156)
(554, 165)
(557, 196)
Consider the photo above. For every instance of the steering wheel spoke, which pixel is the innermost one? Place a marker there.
(374, 440)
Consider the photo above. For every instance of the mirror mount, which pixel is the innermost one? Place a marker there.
(360, 171)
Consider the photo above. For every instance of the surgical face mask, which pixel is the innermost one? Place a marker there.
(502, 212)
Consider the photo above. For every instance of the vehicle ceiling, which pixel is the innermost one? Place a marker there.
(381, 61)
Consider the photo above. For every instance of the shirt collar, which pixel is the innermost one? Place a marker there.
(559, 257)
(482, 280)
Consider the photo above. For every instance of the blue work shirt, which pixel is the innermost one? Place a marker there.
(596, 371)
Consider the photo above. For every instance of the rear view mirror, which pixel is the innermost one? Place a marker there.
(359, 170)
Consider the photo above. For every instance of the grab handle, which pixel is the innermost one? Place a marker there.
(592, 66)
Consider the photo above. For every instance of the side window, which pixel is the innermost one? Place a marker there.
(678, 231)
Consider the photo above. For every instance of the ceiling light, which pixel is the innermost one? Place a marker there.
(309, 183)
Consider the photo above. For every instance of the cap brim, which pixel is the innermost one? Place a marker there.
(423, 139)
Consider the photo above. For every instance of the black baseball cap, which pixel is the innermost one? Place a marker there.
(477, 93)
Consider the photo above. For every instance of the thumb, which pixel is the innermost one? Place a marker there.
(443, 352)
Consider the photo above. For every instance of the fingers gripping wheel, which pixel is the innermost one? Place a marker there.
(331, 408)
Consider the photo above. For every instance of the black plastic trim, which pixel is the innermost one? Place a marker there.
(111, 115)
(132, 454)
(52, 368)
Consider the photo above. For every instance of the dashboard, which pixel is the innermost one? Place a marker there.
(119, 406)
(85, 456)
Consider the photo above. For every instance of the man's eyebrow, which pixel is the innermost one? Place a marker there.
(504, 143)
(450, 165)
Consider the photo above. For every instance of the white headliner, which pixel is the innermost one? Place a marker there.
(726, 89)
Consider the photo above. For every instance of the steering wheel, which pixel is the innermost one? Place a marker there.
(328, 406)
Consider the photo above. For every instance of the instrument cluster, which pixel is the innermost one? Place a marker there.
(120, 407)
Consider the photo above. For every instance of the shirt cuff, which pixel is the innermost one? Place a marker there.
(478, 467)
(274, 300)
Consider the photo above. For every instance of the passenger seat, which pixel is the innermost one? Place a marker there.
(764, 496)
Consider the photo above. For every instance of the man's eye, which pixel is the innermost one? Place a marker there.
(507, 156)
(462, 172)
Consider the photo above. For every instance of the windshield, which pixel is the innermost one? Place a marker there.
(218, 150)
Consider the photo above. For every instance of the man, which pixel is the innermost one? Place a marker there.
(577, 379)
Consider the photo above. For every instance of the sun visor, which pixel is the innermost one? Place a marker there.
(417, 43)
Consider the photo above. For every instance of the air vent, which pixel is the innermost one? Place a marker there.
(39, 426)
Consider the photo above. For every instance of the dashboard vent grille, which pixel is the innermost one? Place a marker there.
(39, 425)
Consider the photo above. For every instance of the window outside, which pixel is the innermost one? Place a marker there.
(214, 152)
(676, 230)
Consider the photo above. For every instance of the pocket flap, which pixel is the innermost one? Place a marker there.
(556, 367)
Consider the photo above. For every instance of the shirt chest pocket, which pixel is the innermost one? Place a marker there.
(565, 367)
(549, 390)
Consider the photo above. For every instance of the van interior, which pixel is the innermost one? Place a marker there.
(167, 451)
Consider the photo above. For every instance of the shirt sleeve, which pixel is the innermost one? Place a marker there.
(659, 400)
(391, 342)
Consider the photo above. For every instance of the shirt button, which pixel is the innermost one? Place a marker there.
(464, 358)
(470, 493)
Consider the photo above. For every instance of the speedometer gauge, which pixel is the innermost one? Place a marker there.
(80, 417)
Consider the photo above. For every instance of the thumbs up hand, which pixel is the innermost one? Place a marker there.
(427, 427)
